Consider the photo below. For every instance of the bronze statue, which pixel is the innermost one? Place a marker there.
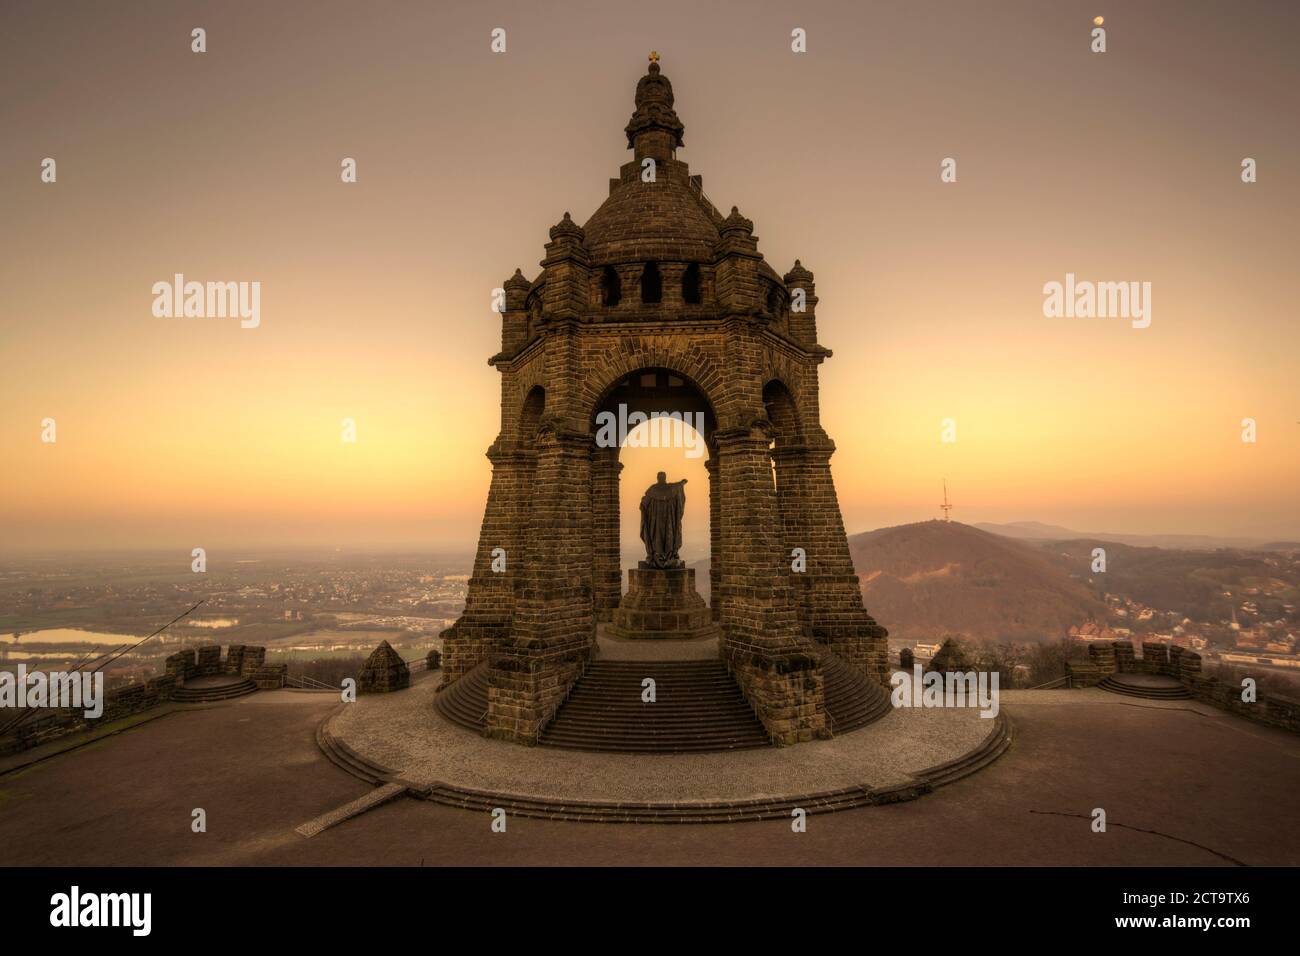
(661, 523)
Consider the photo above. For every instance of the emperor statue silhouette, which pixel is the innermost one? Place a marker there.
(661, 523)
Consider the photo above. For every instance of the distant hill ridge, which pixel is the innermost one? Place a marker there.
(938, 578)
(933, 579)
(1037, 531)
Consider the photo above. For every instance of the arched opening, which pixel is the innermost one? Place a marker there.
(691, 292)
(665, 445)
(530, 416)
(784, 416)
(652, 284)
(534, 315)
(789, 483)
(611, 287)
(782, 413)
(775, 302)
(651, 420)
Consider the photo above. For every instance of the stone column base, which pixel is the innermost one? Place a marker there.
(662, 604)
(465, 645)
(524, 692)
(787, 694)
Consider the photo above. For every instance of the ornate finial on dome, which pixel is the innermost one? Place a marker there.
(654, 125)
(798, 275)
(736, 223)
(566, 227)
(516, 289)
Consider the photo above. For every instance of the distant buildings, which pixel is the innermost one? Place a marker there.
(1096, 631)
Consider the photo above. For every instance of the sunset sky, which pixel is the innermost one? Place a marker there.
(1122, 166)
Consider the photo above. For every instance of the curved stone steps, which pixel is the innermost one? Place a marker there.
(465, 702)
(1120, 686)
(852, 701)
(996, 743)
(993, 746)
(203, 695)
(343, 757)
(698, 707)
(609, 812)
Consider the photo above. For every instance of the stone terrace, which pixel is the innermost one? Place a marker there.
(1183, 784)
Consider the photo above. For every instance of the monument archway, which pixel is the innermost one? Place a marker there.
(663, 403)
(661, 303)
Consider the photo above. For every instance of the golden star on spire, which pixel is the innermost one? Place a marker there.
(654, 56)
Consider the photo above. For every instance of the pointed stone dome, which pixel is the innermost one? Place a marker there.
(667, 219)
(642, 221)
(383, 672)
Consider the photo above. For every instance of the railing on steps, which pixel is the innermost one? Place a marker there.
(1063, 681)
(768, 654)
(303, 682)
(555, 653)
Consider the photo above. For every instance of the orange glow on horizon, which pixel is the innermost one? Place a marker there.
(376, 295)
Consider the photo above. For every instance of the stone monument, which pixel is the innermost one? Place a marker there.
(661, 602)
(661, 302)
(383, 672)
(662, 506)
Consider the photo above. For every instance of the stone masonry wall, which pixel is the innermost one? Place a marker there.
(118, 703)
(1185, 665)
(524, 694)
(787, 695)
(132, 699)
(595, 321)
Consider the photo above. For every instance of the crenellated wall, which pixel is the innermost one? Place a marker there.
(52, 723)
(1185, 666)
(243, 660)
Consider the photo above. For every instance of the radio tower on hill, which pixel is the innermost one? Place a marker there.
(946, 507)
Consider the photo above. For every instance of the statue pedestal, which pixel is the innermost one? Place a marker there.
(661, 604)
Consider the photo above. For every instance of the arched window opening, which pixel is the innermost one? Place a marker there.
(774, 302)
(691, 285)
(652, 285)
(531, 415)
(611, 289)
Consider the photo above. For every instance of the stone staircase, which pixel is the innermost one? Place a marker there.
(204, 695)
(345, 758)
(465, 702)
(993, 746)
(852, 701)
(1148, 689)
(698, 708)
